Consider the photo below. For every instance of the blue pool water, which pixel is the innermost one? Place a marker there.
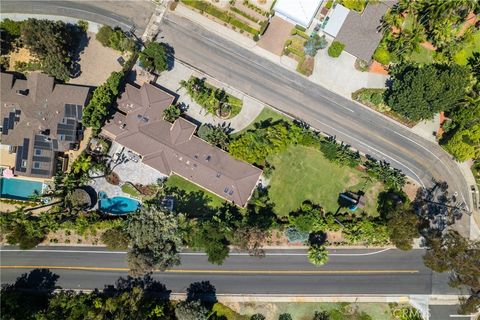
(19, 189)
(118, 205)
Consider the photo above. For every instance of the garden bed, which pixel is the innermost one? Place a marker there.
(227, 17)
(187, 186)
(214, 100)
(373, 98)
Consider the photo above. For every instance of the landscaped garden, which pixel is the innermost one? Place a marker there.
(242, 15)
(302, 173)
(303, 48)
(214, 100)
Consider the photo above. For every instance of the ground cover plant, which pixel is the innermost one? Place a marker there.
(216, 101)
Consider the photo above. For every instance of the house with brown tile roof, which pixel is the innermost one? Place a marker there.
(38, 120)
(138, 125)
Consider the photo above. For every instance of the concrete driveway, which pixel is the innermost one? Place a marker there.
(340, 75)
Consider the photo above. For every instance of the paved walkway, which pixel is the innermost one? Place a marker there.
(171, 81)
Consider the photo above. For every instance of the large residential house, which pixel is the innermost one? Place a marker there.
(38, 120)
(139, 126)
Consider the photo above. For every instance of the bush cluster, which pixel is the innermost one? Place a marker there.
(335, 49)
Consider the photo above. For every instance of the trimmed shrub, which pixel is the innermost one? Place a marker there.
(335, 49)
(382, 55)
(103, 35)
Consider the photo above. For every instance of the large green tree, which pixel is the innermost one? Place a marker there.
(420, 92)
(97, 109)
(218, 135)
(51, 42)
(191, 310)
(155, 241)
(154, 57)
(402, 225)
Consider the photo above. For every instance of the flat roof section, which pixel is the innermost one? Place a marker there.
(297, 11)
(336, 20)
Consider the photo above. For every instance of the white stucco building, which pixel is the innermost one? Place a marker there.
(299, 12)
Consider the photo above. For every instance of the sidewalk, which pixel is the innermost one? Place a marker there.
(341, 76)
(171, 81)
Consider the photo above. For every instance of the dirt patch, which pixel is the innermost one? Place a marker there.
(70, 237)
(411, 189)
(96, 63)
(20, 55)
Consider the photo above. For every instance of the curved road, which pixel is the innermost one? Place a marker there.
(285, 90)
(335, 115)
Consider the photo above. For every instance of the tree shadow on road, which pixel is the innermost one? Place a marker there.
(29, 293)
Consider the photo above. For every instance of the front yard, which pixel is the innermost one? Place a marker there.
(302, 173)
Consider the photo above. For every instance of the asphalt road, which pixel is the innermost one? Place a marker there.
(348, 272)
(124, 14)
(293, 94)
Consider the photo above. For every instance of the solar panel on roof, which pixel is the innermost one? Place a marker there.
(79, 112)
(26, 142)
(17, 112)
(5, 126)
(69, 138)
(18, 160)
(55, 144)
(11, 120)
(71, 122)
(41, 172)
(41, 159)
(70, 110)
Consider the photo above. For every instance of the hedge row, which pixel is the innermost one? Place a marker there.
(220, 14)
(244, 14)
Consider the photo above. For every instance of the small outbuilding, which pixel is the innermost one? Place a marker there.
(299, 12)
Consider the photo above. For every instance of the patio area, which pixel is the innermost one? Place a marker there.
(127, 170)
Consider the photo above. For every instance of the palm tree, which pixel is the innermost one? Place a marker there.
(317, 255)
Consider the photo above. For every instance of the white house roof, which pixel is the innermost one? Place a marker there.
(336, 20)
(297, 11)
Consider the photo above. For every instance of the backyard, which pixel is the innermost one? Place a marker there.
(302, 173)
(189, 187)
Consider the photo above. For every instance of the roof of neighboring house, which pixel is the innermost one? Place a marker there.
(297, 11)
(336, 20)
(39, 118)
(173, 148)
(359, 32)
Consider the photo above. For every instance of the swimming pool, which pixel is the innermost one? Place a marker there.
(118, 205)
(19, 189)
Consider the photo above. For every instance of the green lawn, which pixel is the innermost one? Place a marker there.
(302, 173)
(183, 184)
(462, 56)
(422, 55)
(130, 190)
(265, 114)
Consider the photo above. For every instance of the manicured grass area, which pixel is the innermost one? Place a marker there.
(462, 56)
(422, 55)
(130, 190)
(302, 173)
(266, 114)
(183, 184)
